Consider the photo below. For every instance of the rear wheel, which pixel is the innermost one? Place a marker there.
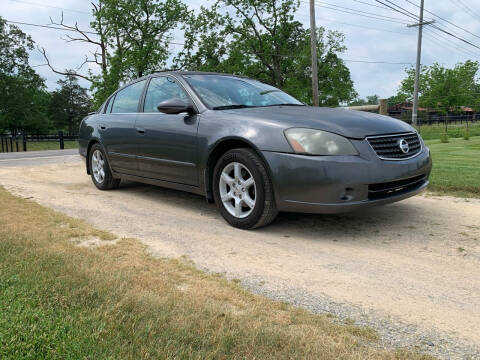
(242, 190)
(100, 171)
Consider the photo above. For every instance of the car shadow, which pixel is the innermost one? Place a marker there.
(391, 218)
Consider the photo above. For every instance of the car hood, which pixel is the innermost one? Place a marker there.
(349, 123)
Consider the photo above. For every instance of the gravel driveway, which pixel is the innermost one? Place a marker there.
(410, 269)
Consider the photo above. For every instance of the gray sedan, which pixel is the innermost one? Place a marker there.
(250, 148)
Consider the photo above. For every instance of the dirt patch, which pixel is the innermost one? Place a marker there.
(92, 241)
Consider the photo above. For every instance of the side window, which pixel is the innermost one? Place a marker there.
(109, 105)
(126, 100)
(161, 89)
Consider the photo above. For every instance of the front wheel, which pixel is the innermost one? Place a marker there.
(242, 190)
(100, 171)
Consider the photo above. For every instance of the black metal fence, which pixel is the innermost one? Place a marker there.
(439, 119)
(14, 143)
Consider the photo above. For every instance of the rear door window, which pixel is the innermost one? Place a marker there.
(126, 100)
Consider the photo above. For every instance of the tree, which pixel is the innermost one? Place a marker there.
(23, 98)
(335, 84)
(69, 104)
(261, 39)
(132, 39)
(370, 100)
(444, 89)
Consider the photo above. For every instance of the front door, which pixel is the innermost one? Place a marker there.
(166, 144)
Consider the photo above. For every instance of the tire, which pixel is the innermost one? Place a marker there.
(100, 170)
(232, 185)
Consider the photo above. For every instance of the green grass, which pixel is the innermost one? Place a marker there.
(456, 166)
(431, 132)
(49, 145)
(62, 301)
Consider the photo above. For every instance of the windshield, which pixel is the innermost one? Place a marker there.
(223, 92)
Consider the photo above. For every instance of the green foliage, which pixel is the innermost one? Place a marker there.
(261, 39)
(135, 36)
(443, 89)
(444, 138)
(370, 100)
(69, 105)
(23, 98)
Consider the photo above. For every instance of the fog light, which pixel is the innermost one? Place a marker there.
(347, 194)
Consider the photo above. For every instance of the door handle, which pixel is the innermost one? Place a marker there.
(140, 130)
(102, 126)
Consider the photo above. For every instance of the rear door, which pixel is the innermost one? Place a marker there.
(167, 144)
(118, 128)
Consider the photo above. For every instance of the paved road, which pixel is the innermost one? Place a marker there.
(410, 269)
(32, 158)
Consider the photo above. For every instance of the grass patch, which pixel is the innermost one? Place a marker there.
(49, 145)
(432, 132)
(456, 166)
(58, 300)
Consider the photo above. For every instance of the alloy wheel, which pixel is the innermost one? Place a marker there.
(98, 166)
(237, 190)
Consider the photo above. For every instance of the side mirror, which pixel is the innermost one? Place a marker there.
(175, 106)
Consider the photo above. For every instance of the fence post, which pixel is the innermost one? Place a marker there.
(1, 140)
(383, 110)
(16, 142)
(24, 140)
(11, 143)
(60, 136)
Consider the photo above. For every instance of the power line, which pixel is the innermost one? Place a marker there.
(51, 7)
(360, 26)
(441, 18)
(464, 7)
(182, 44)
(368, 4)
(398, 9)
(367, 27)
(361, 13)
(446, 43)
(356, 10)
(378, 62)
(403, 11)
(455, 36)
(66, 29)
(49, 27)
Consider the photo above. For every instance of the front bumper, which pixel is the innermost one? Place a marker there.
(336, 184)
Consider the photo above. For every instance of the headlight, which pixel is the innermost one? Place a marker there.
(317, 142)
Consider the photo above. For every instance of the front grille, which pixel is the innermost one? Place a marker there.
(397, 187)
(388, 146)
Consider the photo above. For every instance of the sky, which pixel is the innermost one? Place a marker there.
(370, 38)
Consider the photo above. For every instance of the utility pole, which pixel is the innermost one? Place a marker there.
(313, 41)
(417, 66)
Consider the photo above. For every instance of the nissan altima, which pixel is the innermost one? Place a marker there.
(250, 148)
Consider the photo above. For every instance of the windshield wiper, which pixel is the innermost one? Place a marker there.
(232, 106)
(269, 91)
(286, 104)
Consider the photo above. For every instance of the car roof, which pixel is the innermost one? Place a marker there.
(186, 72)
